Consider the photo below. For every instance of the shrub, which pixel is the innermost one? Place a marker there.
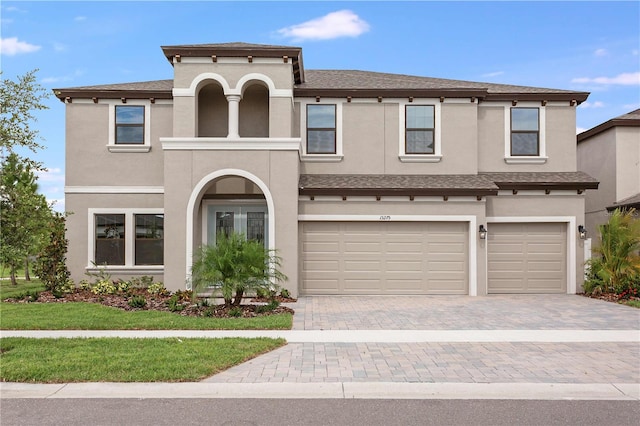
(123, 286)
(616, 267)
(137, 302)
(104, 287)
(51, 266)
(285, 293)
(268, 307)
(157, 288)
(144, 281)
(174, 304)
(236, 311)
(84, 285)
(235, 265)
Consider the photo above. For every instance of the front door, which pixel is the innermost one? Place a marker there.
(248, 219)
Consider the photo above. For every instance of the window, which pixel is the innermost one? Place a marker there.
(110, 239)
(129, 124)
(149, 243)
(321, 129)
(525, 132)
(419, 129)
(419, 139)
(127, 238)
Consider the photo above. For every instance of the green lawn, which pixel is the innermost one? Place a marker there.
(91, 316)
(124, 360)
(7, 290)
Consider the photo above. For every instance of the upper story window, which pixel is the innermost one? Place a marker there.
(321, 129)
(129, 125)
(525, 131)
(419, 129)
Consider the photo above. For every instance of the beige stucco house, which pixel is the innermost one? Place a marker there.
(365, 183)
(611, 152)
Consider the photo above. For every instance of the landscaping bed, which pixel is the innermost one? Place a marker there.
(180, 303)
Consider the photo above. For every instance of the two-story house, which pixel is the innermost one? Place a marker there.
(610, 151)
(365, 183)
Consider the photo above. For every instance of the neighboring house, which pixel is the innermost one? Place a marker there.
(365, 183)
(611, 153)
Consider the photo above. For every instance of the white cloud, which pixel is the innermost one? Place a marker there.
(625, 79)
(580, 130)
(12, 46)
(54, 174)
(635, 52)
(600, 52)
(493, 74)
(80, 18)
(631, 107)
(343, 23)
(596, 104)
(68, 77)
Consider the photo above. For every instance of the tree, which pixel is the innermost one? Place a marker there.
(24, 213)
(18, 101)
(234, 265)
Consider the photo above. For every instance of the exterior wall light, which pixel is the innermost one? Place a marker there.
(483, 232)
(583, 232)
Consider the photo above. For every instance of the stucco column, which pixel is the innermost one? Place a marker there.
(234, 115)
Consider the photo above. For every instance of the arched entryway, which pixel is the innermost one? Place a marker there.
(225, 201)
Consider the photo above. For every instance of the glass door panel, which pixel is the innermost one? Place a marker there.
(250, 220)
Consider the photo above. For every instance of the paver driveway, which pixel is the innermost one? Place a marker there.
(505, 362)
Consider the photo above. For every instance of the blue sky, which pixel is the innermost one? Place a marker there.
(587, 46)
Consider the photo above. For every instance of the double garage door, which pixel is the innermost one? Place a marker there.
(352, 258)
(384, 257)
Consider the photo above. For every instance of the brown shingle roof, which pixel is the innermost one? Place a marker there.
(631, 119)
(160, 89)
(482, 184)
(396, 185)
(626, 203)
(542, 180)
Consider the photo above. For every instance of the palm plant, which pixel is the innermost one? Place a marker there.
(235, 265)
(617, 265)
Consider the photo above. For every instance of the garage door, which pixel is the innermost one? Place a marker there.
(384, 257)
(527, 258)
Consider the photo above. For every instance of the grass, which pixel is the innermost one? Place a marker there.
(7, 290)
(632, 303)
(124, 360)
(91, 316)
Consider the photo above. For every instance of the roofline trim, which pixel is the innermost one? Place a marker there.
(615, 122)
(398, 191)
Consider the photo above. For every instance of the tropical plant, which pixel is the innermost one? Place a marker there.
(51, 265)
(235, 265)
(616, 266)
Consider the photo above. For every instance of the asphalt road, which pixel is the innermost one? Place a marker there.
(315, 412)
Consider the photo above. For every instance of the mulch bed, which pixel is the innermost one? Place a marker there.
(609, 297)
(157, 302)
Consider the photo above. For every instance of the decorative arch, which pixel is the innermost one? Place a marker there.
(209, 76)
(197, 193)
(253, 77)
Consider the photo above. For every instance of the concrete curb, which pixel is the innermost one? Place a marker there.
(346, 390)
(357, 336)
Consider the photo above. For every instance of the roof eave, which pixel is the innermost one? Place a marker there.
(616, 122)
(389, 93)
(578, 97)
(577, 186)
(475, 192)
(64, 94)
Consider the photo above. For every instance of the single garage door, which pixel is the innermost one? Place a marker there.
(527, 258)
(384, 257)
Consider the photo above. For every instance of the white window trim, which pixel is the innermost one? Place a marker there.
(112, 146)
(525, 159)
(128, 243)
(437, 149)
(304, 156)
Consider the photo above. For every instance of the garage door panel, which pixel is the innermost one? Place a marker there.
(386, 258)
(527, 258)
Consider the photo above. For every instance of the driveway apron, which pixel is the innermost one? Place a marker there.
(424, 361)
